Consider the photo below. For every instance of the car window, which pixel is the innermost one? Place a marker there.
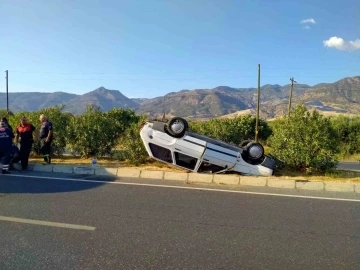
(161, 153)
(185, 161)
(209, 167)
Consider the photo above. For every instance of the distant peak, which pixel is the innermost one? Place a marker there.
(223, 87)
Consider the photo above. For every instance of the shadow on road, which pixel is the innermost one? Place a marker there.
(46, 183)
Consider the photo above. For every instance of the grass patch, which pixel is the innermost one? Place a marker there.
(355, 157)
(341, 157)
(108, 162)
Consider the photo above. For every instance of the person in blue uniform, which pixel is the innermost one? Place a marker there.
(14, 156)
(46, 138)
(5, 146)
(4, 119)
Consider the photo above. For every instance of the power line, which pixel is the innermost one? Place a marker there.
(174, 72)
(183, 79)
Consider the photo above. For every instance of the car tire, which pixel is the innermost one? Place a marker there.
(177, 127)
(254, 151)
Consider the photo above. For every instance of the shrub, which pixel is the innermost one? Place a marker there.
(305, 140)
(88, 134)
(121, 119)
(132, 144)
(4, 113)
(348, 131)
(96, 133)
(232, 130)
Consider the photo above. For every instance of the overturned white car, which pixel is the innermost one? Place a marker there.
(174, 144)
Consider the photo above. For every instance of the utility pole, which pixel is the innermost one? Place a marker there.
(291, 92)
(7, 92)
(257, 108)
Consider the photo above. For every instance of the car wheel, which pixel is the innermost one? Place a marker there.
(255, 151)
(177, 127)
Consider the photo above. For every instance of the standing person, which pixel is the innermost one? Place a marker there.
(46, 137)
(5, 146)
(25, 132)
(4, 119)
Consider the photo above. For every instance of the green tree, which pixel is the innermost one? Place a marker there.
(4, 113)
(132, 144)
(348, 131)
(96, 132)
(305, 140)
(232, 130)
(121, 120)
(88, 133)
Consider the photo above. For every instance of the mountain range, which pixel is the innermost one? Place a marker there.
(342, 96)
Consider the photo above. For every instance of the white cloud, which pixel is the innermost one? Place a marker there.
(341, 44)
(307, 27)
(310, 20)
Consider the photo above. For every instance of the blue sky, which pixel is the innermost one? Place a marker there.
(148, 48)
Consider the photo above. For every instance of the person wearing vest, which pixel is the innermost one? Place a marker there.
(46, 137)
(24, 132)
(5, 146)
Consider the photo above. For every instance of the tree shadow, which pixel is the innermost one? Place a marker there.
(38, 183)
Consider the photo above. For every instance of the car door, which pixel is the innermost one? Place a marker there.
(219, 156)
(188, 151)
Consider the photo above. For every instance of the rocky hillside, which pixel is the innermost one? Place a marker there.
(106, 99)
(342, 96)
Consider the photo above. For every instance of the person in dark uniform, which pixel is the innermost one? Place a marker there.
(5, 146)
(4, 119)
(24, 132)
(14, 156)
(46, 137)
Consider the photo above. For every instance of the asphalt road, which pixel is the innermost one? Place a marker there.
(135, 226)
(349, 166)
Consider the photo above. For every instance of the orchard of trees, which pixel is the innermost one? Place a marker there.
(303, 140)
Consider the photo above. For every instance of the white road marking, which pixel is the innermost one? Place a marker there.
(190, 188)
(47, 223)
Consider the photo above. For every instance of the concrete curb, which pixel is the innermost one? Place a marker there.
(63, 169)
(253, 181)
(176, 176)
(200, 178)
(152, 174)
(310, 185)
(278, 183)
(340, 187)
(225, 179)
